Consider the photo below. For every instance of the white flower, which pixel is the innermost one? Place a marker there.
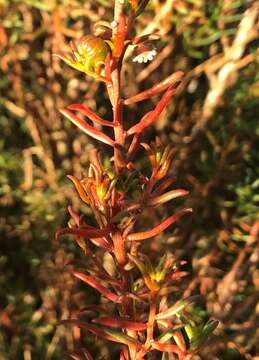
(144, 53)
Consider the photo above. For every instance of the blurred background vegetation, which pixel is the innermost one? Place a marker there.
(212, 123)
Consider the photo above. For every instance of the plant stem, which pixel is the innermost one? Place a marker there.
(151, 319)
(118, 8)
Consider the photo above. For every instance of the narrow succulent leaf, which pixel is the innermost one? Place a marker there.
(76, 356)
(141, 8)
(159, 228)
(202, 336)
(81, 192)
(88, 327)
(163, 186)
(144, 269)
(140, 265)
(120, 323)
(96, 285)
(108, 334)
(122, 338)
(74, 63)
(101, 242)
(166, 336)
(163, 338)
(172, 348)
(151, 154)
(84, 110)
(74, 215)
(179, 340)
(88, 232)
(167, 154)
(152, 116)
(190, 330)
(82, 354)
(163, 170)
(208, 330)
(87, 354)
(165, 323)
(210, 327)
(122, 356)
(66, 58)
(154, 90)
(170, 195)
(88, 129)
(132, 148)
(177, 275)
(176, 308)
(161, 263)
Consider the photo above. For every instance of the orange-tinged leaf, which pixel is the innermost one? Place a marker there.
(84, 231)
(177, 275)
(169, 81)
(122, 338)
(163, 186)
(82, 354)
(86, 128)
(170, 195)
(88, 327)
(144, 269)
(151, 154)
(96, 285)
(120, 323)
(84, 110)
(165, 323)
(102, 242)
(167, 348)
(81, 192)
(178, 338)
(115, 336)
(159, 228)
(152, 116)
(176, 308)
(74, 215)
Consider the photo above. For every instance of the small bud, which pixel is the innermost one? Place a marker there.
(88, 54)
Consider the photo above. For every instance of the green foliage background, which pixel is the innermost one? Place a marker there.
(219, 164)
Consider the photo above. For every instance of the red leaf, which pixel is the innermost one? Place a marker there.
(84, 110)
(82, 354)
(167, 348)
(178, 307)
(152, 116)
(120, 323)
(175, 275)
(88, 129)
(163, 186)
(111, 335)
(88, 327)
(79, 188)
(96, 285)
(163, 85)
(170, 195)
(159, 228)
(101, 242)
(84, 231)
(74, 215)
